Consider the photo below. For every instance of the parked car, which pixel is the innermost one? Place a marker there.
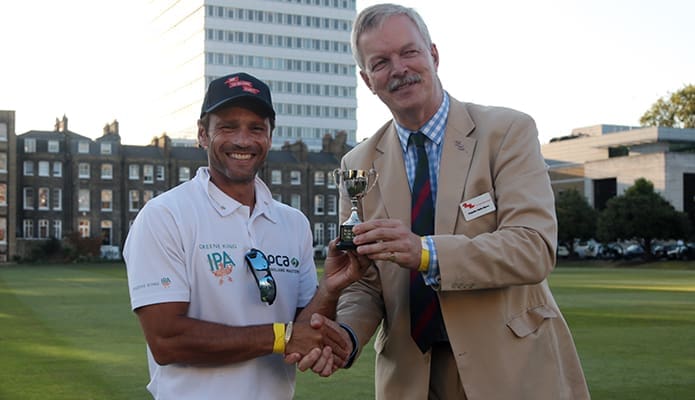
(633, 251)
(681, 251)
(586, 248)
(611, 251)
(659, 250)
(563, 251)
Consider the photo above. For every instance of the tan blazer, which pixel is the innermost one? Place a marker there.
(508, 336)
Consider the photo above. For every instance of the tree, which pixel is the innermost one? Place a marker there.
(678, 111)
(641, 213)
(575, 217)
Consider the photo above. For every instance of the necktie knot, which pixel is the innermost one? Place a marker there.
(417, 138)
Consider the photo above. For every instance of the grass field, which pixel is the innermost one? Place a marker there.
(67, 332)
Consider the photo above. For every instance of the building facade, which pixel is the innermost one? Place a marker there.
(8, 185)
(304, 180)
(68, 183)
(301, 48)
(602, 161)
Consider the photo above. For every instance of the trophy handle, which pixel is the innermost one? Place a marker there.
(336, 177)
(372, 177)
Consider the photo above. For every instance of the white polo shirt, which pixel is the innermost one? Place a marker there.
(188, 245)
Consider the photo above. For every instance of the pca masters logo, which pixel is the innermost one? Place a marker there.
(282, 263)
(221, 266)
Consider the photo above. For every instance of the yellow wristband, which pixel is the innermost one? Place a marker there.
(279, 343)
(424, 256)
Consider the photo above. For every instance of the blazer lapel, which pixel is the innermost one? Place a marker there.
(392, 181)
(457, 154)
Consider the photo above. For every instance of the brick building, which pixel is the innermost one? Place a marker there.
(66, 183)
(8, 186)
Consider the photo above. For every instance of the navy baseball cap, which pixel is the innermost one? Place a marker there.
(239, 88)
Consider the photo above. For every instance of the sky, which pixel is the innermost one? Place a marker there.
(567, 63)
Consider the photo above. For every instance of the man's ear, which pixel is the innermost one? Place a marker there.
(203, 139)
(435, 55)
(365, 78)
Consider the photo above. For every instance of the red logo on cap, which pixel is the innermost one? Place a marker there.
(245, 85)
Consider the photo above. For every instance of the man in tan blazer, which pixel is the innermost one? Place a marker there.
(494, 238)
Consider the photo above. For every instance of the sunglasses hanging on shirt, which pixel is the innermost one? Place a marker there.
(260, 268)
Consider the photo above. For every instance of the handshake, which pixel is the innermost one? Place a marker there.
(317, 341)
(319, 344)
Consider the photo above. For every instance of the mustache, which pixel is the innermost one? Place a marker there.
(395, 83)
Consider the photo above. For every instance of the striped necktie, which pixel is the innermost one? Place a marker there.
(426, 324)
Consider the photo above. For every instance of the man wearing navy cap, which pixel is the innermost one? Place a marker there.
(222, 277)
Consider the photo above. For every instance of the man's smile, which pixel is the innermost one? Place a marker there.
(239, 156)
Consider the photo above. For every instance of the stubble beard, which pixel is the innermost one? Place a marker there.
(230, 175)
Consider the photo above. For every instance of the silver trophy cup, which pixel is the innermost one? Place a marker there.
(355, 183)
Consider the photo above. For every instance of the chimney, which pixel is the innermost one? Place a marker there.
(62, 125)
(299, 149)
(111, 129)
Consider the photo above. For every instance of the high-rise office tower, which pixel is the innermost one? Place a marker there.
(301, 48)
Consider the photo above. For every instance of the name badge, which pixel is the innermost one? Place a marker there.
(477, 206)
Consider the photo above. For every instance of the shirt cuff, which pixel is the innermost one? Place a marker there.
(355, 346)
(431, 276)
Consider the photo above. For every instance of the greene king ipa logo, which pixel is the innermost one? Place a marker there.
(220, 262)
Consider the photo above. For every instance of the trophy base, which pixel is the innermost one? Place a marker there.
(345, 237)
(345, 245)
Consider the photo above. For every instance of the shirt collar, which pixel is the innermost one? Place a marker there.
(434, 128)
(226, 205)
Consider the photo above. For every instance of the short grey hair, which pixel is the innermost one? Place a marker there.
(373, 17)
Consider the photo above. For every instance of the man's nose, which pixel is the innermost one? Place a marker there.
(399, 66)
(243, 138)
